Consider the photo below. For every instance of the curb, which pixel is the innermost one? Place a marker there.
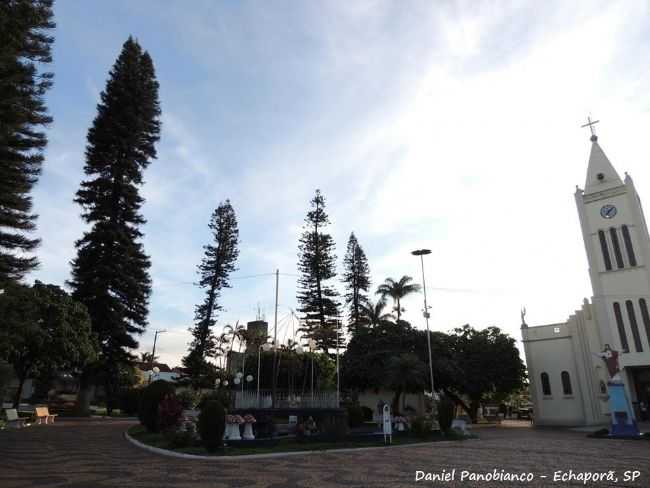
(167, 452)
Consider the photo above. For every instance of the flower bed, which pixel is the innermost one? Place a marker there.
(276, 445)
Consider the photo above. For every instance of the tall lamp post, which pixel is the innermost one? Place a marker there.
(422, 253)
(312, 347)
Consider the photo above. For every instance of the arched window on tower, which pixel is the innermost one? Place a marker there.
(603, 247)
(631, 315)
(617, 248)
(546, 384)
(643, 305)
(566, 383)
(621, 327)
(628, 245)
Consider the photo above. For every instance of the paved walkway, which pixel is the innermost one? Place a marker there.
(94, 454)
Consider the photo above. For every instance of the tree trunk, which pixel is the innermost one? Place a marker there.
(459, 401)
(473, 407)
(19, 392)
(395, 406)
(86, 393)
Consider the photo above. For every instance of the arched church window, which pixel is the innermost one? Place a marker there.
(566, 383)
(603, 247)
(617, 248)
(546, 384)
(621, 327)
(628, 245)
(634, 325)
(645, 316)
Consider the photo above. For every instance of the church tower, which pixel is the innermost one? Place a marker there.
(616, 239)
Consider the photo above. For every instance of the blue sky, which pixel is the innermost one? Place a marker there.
(448, 125)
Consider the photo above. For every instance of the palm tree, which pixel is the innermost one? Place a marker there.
(146, 357)
(373, 314)
(398, 290)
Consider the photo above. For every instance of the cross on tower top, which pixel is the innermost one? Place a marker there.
(591, 124)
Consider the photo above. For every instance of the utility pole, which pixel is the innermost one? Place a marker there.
(153, 353)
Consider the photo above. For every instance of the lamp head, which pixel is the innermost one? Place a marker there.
(421, 252)
(249, 378)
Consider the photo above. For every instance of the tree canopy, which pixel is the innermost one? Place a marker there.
(110, 274)
(318, 298)
(44, 330)
(25, 44)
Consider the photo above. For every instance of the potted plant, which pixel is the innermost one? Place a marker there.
(249, 420)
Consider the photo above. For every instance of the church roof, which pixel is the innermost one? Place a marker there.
(601, 175)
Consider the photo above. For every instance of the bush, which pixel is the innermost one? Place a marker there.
(222, 396)
(421, 427)
(169, 412)
(355, 416)
(130, 401)
(367, 414)
(446, 409)
(212, 424)
(264, 426)
(188, 399)
(180, 438)
(149, 400)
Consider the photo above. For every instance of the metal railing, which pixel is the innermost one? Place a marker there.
(285, 399)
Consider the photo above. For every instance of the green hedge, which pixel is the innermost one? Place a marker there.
(212, 424)
(149, 400)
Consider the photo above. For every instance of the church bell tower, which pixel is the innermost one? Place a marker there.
(618, 250)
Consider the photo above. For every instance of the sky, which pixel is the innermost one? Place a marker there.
(453, 126)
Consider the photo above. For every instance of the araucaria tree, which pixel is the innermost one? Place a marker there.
(24, 44)
(317, 265)
(214, 271)
(110, 274)
(356, 278)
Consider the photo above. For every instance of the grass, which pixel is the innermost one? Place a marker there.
(158, 440)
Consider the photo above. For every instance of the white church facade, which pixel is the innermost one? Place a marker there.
(568, 381)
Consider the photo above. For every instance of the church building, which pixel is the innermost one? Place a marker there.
(568, 380)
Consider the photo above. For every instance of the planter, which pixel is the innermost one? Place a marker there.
(400, 427)
(232, 432)
(248, 432)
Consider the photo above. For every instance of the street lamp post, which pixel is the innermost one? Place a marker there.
(312, 346)
(422, 253)
(263, 347)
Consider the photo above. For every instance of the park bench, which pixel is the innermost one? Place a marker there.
(13, 419)
(43, 413)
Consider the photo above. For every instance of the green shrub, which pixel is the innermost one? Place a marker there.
(130, 401)
(355, 416)
(179, 438)
(169, 413)
(221, 395)
(212, 424)
(421, 427)
(188, 399)
(149, 400)
(367, 413)
(446, 409)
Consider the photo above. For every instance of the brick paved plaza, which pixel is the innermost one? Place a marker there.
(94, 453)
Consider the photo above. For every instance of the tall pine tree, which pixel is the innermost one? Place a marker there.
(110, 274)
(356, 278)
(214, 271)
(317, 265)
(24, 45)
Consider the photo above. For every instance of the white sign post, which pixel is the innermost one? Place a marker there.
(388, 426)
